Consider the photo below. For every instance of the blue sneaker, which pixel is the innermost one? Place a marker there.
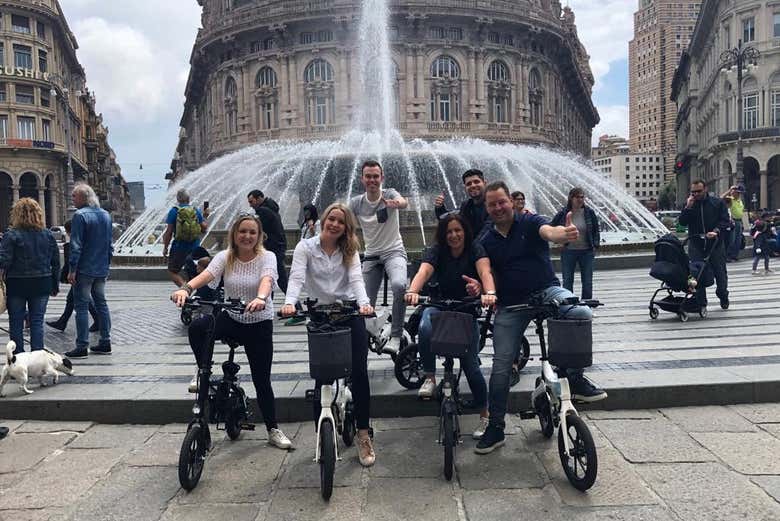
(492, 439)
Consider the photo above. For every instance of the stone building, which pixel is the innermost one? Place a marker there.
(641, 175)
(706, 96)
(42, 85)
(287, 69)
(662, 31)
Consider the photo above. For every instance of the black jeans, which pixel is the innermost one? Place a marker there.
(696, 252)
(68, 311)
(257, 339)
(282, 272)
(361, 391)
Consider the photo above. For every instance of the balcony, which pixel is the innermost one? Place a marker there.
(756, 133)
(448, 126)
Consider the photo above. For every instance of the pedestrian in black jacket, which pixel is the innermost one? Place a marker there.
(275, 240)
(472, 209)
(707, 219)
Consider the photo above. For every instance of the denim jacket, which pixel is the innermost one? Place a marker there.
(30, 253)
(90, 242)
(594, 233)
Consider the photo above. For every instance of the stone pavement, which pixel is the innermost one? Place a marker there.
(730, 357)
(678, 464)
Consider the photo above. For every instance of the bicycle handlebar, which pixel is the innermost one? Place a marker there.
(233, 304)
(449, 304)
(551, 308)
(340, 308)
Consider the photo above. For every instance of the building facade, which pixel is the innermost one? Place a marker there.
(641, 175)
(287, 69)
(44, 103)
(706, 94)
(662, 31)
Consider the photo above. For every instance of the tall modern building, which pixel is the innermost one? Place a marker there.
(47, 115)
(288, 69)
(662, 31)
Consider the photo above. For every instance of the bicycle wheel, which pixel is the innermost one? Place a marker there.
(327, 459)
(581, 464)
(523, 354)
(192, 456)
(449, 445)
(233, 427)
(349, 429)
(544, 413)
(408, 368)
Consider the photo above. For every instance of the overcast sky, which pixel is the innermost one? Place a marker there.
(136, 55)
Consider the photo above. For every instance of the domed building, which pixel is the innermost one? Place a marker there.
(499, 70)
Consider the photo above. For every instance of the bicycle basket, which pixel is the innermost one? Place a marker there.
(570, 343)
(330, 351)
(453, 333)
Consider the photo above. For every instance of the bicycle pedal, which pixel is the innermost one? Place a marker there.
(527, 415)
(247, 426)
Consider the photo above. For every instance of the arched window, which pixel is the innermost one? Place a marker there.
(535, 96)
(499, 91)
(320, 92)
(231, 106)
(267, 99)
(445, 89)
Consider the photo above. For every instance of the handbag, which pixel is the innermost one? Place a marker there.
(3, 305)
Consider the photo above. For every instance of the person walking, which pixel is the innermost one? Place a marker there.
(708, 221)
(377, 210)
(462, 269)
(185, 224)
(737, 211)
(248, 271)
(30, 264)
(275, 240)
(89, 261)
(328, 265)
(519, 253)
(473, 208)
(582, 250)
(310, 224)
(761, 232)
(62, 322)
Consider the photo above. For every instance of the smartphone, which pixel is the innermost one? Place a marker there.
(381, 215)
(205, 205)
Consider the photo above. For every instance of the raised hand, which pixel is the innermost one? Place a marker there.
(439, 200)
(473, 287)
(570, 232)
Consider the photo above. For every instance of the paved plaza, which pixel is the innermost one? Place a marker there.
(730, 357)
(681, 464)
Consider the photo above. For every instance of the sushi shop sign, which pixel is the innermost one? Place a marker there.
(21, 72)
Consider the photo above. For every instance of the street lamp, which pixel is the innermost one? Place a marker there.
(69, 179)
(739, 57)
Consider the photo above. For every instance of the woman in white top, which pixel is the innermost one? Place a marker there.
(329, 266)
(248, 272)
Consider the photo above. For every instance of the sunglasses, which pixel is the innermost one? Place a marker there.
(696, 191)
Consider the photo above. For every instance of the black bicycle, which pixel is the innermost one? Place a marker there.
(221, 401)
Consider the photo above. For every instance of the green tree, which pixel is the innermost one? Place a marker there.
(667, 197)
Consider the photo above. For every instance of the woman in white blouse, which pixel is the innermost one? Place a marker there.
(329, 265)
(248, 272)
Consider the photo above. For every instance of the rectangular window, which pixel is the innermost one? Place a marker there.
(25, 127)
(20, 24)
(750, 109)
(46, 129)
(438, 33)
(3, 127)
(41, 30)
(306, 38)
(23, 56)
(455, 33)
(45, 100)
(509, 40)
(776, 108)
(321, 110)
(494, 38)
(776, 20)
(268, 115)
(25, 94)
(43, 61)
(2, 54)
(444, 107)
(3, 96)
(748, 30)
(324, 36)
(726, 36)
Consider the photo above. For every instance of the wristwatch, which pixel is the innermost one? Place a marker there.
(263, 297)
(492, 292)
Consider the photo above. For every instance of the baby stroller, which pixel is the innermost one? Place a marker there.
(678, 274)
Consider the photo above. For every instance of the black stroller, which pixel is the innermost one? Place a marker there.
(678, 274)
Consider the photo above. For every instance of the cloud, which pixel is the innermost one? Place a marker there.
(614, 120)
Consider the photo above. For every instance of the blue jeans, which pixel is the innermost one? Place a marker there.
(17, 308)
(508, 327)
(85, 288)
(736, 240)
(569, 261)
(469, 363)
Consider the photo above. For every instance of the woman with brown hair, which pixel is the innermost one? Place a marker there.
(248, 272)
(30, 262)
(329, 265)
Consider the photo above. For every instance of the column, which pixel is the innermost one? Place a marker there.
(42, 202)
(479, 77)
(293, 78)
(763, 194)
(15, 190)
(472, 66)
(409, 73)
(420, 73)
(342, 88)
(247, 97)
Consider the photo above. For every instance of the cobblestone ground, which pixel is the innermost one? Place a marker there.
(686, 464)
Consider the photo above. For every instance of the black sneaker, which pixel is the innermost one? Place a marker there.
(56, 324)
(724, 303)
(79, 352)
(104, 349)
(94, 328)
(514, 377)
(492, 439)
(583, 390)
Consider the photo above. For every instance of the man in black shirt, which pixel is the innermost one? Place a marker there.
(472, 209)
(275, 240)
(258, 198)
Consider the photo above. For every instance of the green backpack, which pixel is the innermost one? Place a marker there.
(187, 225)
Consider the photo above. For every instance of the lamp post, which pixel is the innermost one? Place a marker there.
(739, 57)
(69, 178)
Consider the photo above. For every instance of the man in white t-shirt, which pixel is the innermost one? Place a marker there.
(377, 212)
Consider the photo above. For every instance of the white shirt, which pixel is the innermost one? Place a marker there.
(325, 276)
(243, 281)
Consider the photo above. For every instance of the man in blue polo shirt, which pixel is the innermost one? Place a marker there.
(520, 258)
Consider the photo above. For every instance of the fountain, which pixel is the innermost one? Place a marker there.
(296, 172)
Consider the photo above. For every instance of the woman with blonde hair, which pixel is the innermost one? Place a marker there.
(329, 265)
(248, 272)
(30, 263)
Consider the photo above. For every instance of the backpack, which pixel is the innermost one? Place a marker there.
(187, 225)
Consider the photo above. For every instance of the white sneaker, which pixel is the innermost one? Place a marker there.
(193, 388)
(427, 389)
(483, 423)
(392, 346)
(754, 272)
(277, 438)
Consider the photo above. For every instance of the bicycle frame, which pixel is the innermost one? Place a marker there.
(328, 399)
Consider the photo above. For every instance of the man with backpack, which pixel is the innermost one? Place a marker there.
(185, 225)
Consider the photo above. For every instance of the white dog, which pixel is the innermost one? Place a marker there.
(35, 364)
